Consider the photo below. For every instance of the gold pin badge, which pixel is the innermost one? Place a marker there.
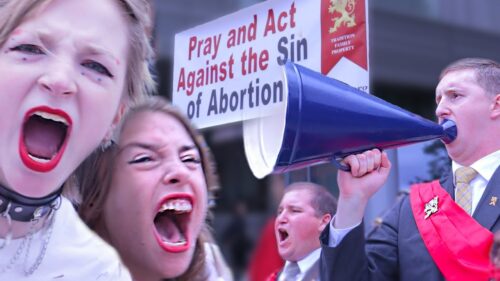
(431, 207)
(493, 200)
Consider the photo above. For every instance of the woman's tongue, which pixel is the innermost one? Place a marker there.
(168, 229)
(42, 139)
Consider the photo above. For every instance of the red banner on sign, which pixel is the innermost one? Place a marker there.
(343, 33)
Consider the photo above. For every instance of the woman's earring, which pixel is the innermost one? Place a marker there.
(211, 200)
(106, 143)
(108, 139)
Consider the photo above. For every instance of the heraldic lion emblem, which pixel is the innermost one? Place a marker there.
(346, 10)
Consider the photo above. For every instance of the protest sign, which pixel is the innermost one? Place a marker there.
(229, 69)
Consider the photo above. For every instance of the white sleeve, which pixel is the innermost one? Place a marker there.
(337, 234)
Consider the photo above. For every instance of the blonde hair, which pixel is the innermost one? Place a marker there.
(139, 81)
(94, 177)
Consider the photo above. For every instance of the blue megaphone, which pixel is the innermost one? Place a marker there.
(323, 120)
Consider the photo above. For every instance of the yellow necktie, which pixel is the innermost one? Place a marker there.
(463, 191)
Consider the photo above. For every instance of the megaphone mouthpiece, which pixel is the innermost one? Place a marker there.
(450, 131)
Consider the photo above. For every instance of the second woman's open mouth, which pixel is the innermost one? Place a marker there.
(171, 223)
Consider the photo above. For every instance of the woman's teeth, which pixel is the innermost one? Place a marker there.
(182, 241)
(41, 160)
(50, 116)
(178, 206)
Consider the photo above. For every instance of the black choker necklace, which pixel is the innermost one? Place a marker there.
(23, 208)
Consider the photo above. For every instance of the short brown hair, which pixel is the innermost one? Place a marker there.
(322, 201)
(487, 72)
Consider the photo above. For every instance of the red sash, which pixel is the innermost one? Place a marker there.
(273, 276)
(458, 244)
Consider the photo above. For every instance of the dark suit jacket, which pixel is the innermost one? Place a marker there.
(395, 250)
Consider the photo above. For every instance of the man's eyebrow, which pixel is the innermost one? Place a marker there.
(295, 205)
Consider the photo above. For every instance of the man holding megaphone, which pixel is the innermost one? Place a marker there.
(443, 229)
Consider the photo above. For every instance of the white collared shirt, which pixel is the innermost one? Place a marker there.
(485, 167)
(304, 264)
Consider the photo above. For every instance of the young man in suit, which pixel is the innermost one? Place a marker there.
(304, 211)
(442, 230)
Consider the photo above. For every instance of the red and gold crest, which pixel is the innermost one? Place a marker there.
(343, 33)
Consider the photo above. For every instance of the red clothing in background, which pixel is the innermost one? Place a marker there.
(265, 259)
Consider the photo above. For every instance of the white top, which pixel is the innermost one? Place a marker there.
(304, 264)
(74, 252)
(485, 167)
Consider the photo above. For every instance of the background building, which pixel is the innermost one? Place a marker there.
(410, 42)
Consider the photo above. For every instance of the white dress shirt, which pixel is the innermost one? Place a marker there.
(304, 264)
(485, 167)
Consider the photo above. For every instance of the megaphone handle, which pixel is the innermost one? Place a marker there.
(337, 162)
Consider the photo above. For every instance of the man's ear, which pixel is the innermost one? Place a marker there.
(495, 107)
(325, 219)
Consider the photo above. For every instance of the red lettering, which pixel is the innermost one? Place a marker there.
(281, 24)
(192, 45)
(181, 83)
(292, 15)
(263, 59)
(270, 23)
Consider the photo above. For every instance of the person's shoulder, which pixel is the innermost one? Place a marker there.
(81, 250)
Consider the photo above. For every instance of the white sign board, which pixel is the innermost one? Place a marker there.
(229, 70)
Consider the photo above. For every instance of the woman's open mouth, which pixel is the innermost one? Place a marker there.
(44, 137)
(171, 222)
